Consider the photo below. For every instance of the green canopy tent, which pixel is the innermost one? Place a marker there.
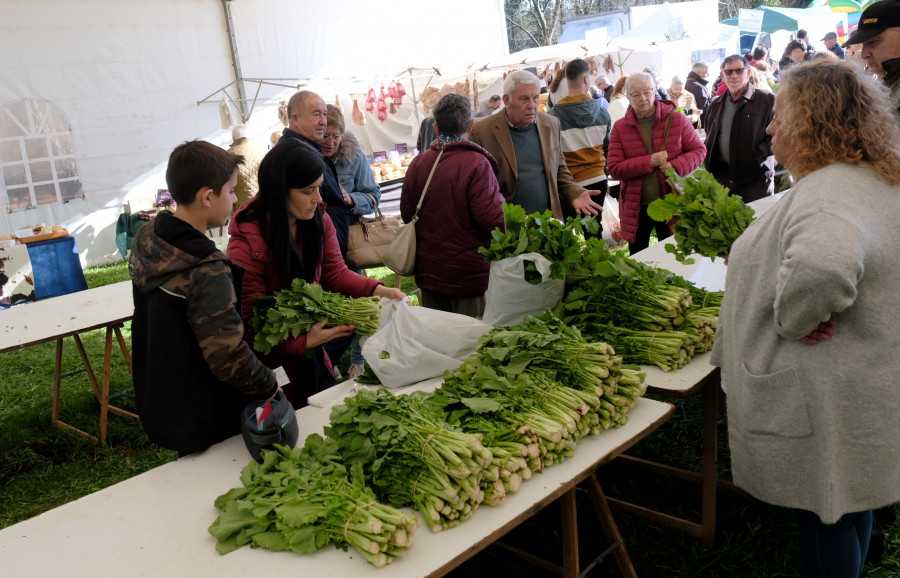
(772, 21)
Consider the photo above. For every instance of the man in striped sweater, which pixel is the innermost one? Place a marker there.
(584, 131)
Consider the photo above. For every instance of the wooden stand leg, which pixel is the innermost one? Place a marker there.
(57, 377)
(571, 564)
(710, 461)
(610, 529)
(125, 353)
(87, 365)
(104, 394)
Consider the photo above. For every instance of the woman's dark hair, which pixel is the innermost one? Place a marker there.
(452, 114)
(291, 164)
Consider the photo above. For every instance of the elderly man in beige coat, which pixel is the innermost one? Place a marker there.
(253, 154)
(526, 146)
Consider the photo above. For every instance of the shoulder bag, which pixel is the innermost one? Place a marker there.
(370, 238)
(400, 257)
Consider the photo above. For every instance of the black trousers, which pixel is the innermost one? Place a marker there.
(645, 226)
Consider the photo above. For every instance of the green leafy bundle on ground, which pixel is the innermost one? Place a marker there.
(709, 218)
(303, 499)
(292, 312)
(539, 233)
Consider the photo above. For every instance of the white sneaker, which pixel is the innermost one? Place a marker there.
(355, 370)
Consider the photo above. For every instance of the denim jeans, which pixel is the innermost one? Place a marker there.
(834, 550)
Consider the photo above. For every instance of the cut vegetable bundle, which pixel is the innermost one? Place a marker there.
(304, 499)
(290, 313)
(709, 218)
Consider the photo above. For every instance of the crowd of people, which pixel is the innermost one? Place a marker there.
(809, 308)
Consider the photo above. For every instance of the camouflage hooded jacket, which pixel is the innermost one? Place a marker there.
(193, 374)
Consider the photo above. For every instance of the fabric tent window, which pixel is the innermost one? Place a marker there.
(37, 160)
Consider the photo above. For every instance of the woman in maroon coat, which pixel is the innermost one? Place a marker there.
(282, 234)
(638, 158)
(462, 206)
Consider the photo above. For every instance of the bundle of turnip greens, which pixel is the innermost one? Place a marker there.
(547, 382)
(292, 312)
(410, 458)
(304, 499)
(709, 219)
(539, 233)
(648, 315)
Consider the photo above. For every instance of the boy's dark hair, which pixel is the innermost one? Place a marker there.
(759, 53)
(801, 34)
(794, 45)
(291, 164)
(576, 68)
(452, 114)
(197, 164)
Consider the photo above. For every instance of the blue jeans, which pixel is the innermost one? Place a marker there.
(834, 550)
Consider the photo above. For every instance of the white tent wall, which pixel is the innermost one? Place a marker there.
(128, 76)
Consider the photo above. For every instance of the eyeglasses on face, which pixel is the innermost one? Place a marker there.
(332, 137)
(731, 71)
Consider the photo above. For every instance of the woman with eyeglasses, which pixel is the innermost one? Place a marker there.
(651, 138)
(361, 193)
(807, 336)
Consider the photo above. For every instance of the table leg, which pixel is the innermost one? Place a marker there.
(104, 395)
(125, 353)
(610, 528)
(57, 377)
(87, 365)
(571, 565)
(709, 461)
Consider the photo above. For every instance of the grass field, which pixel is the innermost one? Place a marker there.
(42, 467)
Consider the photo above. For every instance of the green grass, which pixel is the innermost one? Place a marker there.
(42, 467)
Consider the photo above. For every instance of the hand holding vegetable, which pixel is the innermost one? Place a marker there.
(319, 335)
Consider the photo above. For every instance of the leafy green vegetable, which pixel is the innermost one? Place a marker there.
(709, 219)
(290, 313)
(303, 499)
(539, 233)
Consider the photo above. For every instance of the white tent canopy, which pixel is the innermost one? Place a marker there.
(121, 82)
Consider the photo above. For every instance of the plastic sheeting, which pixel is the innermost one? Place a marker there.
(127, 77)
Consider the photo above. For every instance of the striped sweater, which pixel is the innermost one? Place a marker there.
(584, 132)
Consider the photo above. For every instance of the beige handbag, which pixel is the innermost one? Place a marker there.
(401, 255)
(370, 238)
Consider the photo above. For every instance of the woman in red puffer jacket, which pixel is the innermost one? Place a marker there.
(638, 158)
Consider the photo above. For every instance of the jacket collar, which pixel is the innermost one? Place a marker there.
(697, 78)
(891, 71)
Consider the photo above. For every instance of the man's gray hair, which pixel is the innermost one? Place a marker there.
(676, 81)
(638, 77)
(518, 77)
(239, 131)
(452, 114)
(700, 66)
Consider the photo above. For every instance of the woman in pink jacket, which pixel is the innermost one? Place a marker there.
(282, 234)
(638, 158)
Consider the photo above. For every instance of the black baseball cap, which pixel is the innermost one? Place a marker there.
(874, 20)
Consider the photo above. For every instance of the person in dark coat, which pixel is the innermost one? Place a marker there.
(696, 84)
(738, 150)
(462, 205)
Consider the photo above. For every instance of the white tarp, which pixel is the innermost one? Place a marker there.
(127, 76)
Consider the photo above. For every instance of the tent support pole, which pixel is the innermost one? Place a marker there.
(242, 98)
(412, 86)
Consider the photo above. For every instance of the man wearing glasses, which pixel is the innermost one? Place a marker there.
(738, 150)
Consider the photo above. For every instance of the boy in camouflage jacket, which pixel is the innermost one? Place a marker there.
(193, 374)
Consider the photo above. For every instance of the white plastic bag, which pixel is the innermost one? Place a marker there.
(418, 343)
(609, 219)
(509, 297)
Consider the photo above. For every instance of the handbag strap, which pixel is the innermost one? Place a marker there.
(666, 131)
(425, 190)
(377, 211)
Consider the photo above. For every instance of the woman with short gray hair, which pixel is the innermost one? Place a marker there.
(462, 205)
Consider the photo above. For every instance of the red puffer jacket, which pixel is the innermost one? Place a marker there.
(461, 208)
(249, 248)
(628, 160)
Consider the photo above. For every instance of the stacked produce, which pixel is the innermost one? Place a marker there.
(648, 315)
(304, 499)
(292, 312)
(709, 219)
(410, 458)
(539, 233)
(547, 382)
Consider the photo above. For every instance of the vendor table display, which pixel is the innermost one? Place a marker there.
(155, 524)
(71, 315)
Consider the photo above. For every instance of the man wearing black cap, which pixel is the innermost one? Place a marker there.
(879, 34)
(831, 44)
